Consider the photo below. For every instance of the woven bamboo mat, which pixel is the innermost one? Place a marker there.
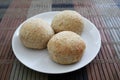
(105, 14)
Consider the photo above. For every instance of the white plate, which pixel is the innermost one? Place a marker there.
(39, 60)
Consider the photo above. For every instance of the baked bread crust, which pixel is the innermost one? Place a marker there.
(66, 47)
(35, 33)
(68, 20)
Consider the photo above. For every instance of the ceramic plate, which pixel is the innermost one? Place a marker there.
(40, 61)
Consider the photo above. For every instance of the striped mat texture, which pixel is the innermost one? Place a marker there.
(105, 14)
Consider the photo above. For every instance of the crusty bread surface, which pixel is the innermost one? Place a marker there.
(35, 33)
(66, 47)
(68, 20)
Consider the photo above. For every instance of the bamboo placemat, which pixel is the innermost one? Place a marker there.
(105, 14)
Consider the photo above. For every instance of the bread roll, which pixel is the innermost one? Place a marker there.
(35, 33)
(66, 47)
(68, 20)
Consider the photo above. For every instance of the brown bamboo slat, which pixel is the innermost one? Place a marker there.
(105, 14)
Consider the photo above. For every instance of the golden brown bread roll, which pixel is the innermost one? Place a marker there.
(66, 47)
(68, 20)
(35, 33)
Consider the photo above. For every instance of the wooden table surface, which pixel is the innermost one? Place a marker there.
(105, 14)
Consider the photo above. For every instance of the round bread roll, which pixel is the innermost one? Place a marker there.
(66, 47)
(35, 33)
(68, 20)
